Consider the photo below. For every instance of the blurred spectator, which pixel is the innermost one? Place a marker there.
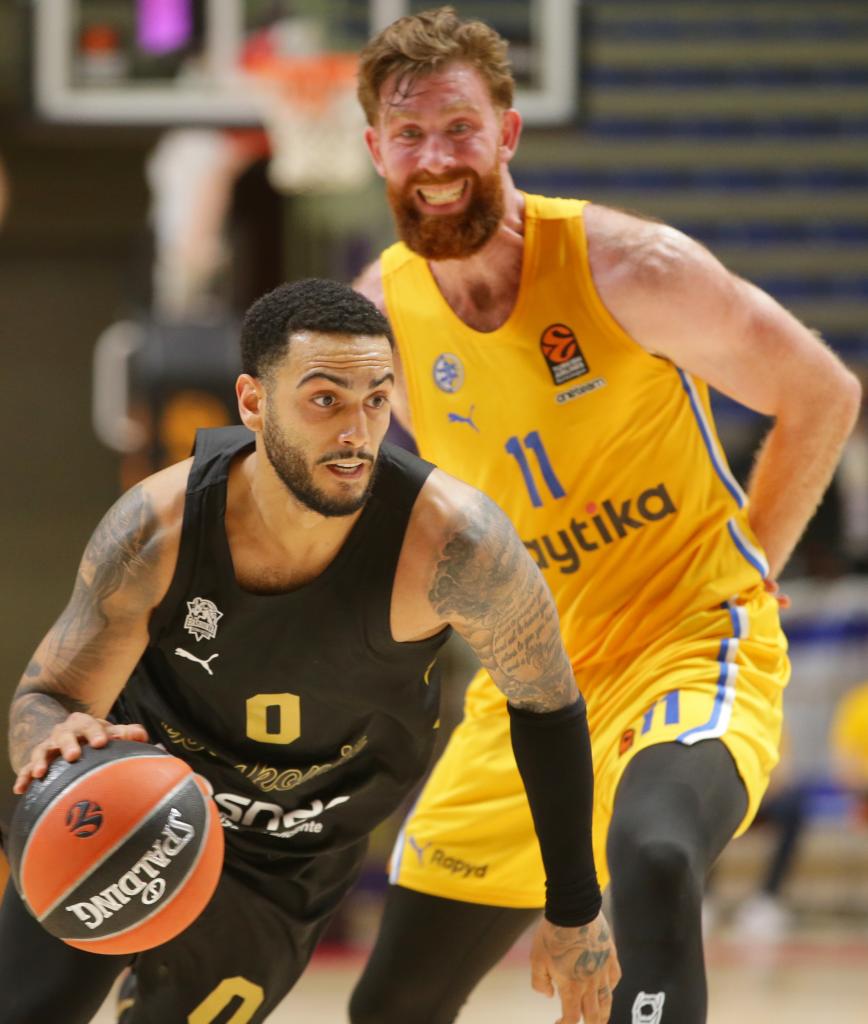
(848, 742)
(783, 810)
(193, 174)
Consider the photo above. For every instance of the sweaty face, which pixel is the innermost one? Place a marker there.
(326, 412)
(437, 143)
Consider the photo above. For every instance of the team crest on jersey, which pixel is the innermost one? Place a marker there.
(448, 372)
(202, 618)
(562, 353)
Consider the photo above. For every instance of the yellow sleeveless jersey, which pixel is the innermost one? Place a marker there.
(604, 457)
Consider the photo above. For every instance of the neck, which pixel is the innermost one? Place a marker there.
(282, 526)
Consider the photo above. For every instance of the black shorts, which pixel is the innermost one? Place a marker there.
(247, 949)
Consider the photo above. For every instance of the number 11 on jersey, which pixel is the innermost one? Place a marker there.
(533, 443)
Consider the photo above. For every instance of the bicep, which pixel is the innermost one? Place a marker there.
(678, 301)
(487, 587)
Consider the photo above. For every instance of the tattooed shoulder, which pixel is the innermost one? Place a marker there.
(479, 553)
(124, 547)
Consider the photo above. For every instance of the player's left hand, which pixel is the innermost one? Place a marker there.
(581, 963)
(774, 589)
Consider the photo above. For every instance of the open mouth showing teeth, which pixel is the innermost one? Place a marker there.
(443, 194)
(346, 468)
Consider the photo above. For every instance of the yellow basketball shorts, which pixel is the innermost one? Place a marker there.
(718, 673)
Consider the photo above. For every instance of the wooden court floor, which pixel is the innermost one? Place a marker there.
(811, 978)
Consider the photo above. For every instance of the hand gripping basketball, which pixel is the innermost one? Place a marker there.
(117, 851)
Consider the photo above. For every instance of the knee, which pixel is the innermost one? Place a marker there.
(661, 870)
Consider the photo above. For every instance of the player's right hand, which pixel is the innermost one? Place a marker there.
(66, 739)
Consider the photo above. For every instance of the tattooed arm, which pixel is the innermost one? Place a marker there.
(476, 574)
(487, 587)
(84, 660)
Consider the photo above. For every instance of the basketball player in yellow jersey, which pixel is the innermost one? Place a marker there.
(557, 355)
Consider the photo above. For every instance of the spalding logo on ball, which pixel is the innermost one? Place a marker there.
(119, 851)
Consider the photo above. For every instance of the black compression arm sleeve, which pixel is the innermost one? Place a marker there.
(553, 754)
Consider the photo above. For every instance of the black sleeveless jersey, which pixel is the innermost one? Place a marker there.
(309, 721)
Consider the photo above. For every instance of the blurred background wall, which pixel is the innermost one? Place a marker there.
(743, 123)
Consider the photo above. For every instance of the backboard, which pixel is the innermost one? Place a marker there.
(178, 61)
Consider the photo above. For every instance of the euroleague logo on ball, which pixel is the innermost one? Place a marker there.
(84, 818)
(560, 347)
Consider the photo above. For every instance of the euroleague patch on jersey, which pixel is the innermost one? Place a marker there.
(561, 351)
(448, 372)
(202, 618)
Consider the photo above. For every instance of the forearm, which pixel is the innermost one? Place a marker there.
(553, 754)
(793, 468)
(32, 717)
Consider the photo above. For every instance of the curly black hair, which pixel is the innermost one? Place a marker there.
(312, 304)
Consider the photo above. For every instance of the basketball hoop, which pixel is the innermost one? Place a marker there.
(313, 121)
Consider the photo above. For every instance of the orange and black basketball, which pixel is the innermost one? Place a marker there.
(116, 852)
(559, 343)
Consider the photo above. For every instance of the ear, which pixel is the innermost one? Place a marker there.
(372, 141)
(251, 401)
(510, 133)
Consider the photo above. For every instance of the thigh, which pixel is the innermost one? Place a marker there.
(718, 677)
(429, 955)
(251, 943)
(470, 836)
(243, 952)
(691, 796)
(43, 979)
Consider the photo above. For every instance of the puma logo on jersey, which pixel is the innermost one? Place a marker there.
(455, 417)
(417, 849)
(204, 662)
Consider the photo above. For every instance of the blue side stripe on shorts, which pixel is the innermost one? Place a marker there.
(718, 697)
(733, 618)
(723, 675)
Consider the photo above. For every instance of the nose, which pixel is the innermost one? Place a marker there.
(437, 154)
(354, 429)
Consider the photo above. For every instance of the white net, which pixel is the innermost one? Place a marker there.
(314, 124)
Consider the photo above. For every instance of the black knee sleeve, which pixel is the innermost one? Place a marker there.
(675, 810)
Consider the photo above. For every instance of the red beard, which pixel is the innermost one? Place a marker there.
(453, 235)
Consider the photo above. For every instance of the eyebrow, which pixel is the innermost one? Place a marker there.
(411, 113)
(342, 382)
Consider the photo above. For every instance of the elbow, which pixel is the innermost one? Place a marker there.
(831, 403)
(854, 394)
(846, 400)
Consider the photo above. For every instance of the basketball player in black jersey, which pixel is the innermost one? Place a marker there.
(271, 611)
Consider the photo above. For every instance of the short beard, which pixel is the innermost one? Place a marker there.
(451, 236)
(289, 464)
